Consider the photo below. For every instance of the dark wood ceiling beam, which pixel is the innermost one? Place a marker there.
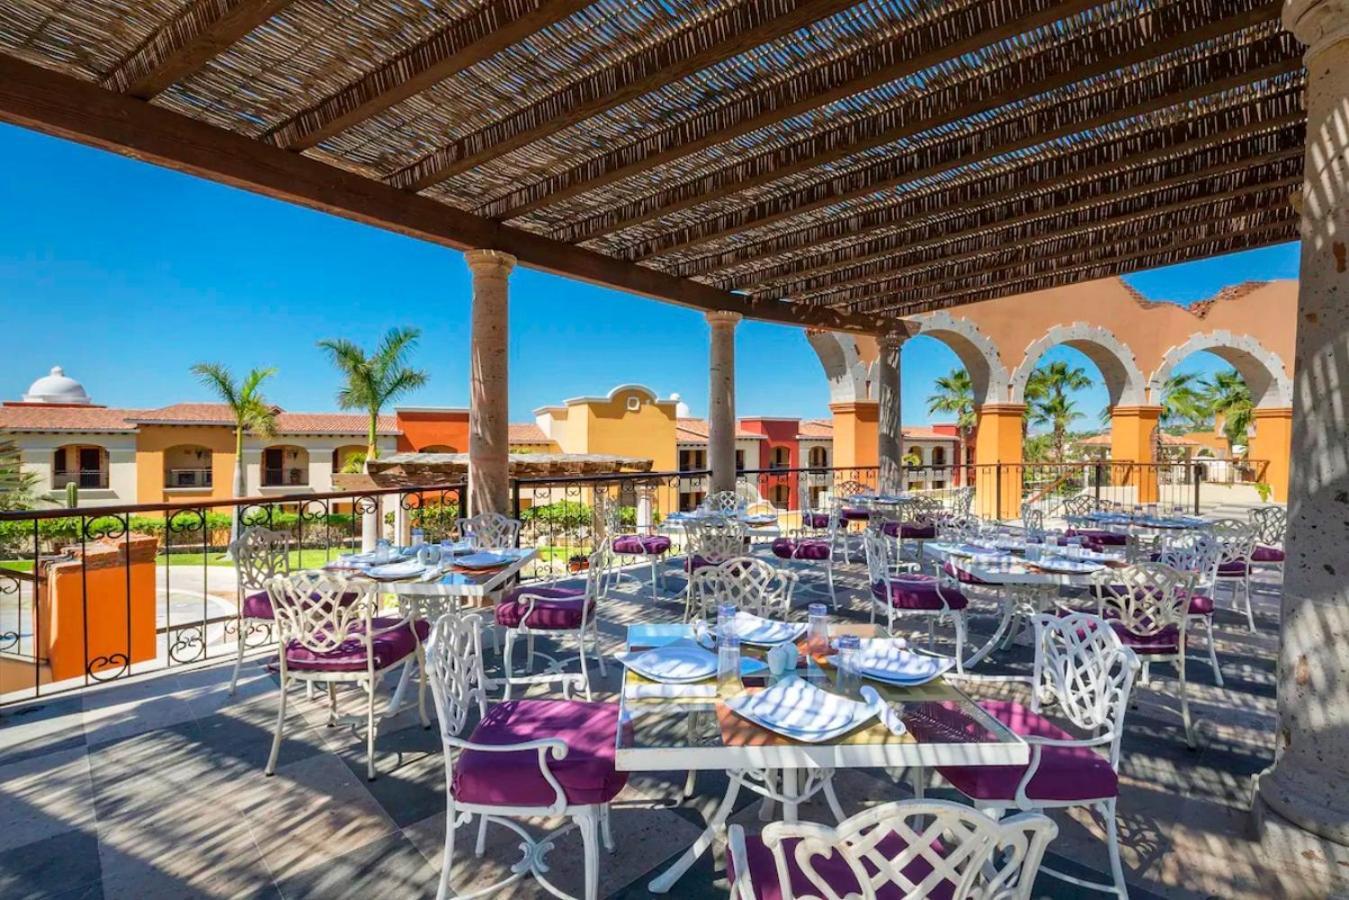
(57, 104)
(1222, 125)
(483, 33)
(962, 29)
(1273, 225)
(988, 228)
(1041, 125)
(710, 40)
(1077, 57)
(200, 31)
(1068, 247)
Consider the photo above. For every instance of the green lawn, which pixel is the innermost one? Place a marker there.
(299, 559)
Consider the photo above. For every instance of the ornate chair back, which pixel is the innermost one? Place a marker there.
(490, 530)
(1082, 667)
(922, 848)
(964, 529)
(747, 583)
(1145, 598)
(454, 662)
(1195, 553)
(962, 501)
(260, 555)
(1079, 505)
(1033, 520)
(847, 489)
(717, 541)
(319, 612)
(1270, 523)
(725, 502)
(1236, 540)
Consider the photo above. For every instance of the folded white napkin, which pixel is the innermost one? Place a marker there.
(668, 691)
(884, 711)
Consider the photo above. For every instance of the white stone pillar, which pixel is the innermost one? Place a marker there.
(721, 400)
(1308, 786)
(889, 430)
(488, 383)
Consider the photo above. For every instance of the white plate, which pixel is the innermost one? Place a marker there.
(752, 629)
(397, 570)
(797, 709)
(682, 662)
(482, 561)
(898, 666)
(1067, 566)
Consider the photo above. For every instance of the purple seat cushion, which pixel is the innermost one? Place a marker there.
(642, 544)
(258, 606)
(389, 648)
(1232, 569)
(854, 514)
(919, 592)
(1201, 604)
(561, 608)
(1066, 774)
(959, 574)
(806, 548)
(763, 871)
(695, 562)
(587, 773)
(815, 520)
(1166, 641)
(1104, 538)
(910, 532)
(1265, 554)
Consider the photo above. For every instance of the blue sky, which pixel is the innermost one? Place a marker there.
(126, 274)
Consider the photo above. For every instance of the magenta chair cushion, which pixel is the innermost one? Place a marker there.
(641, 544)
(258, 606)
(910, 532)
(815, 520)
(1166, 641)
(919, 592)
(1265, 554)
(1104, 538)
(1067, 774)
(696, 562)
(763, 871)
(1201, 604)
(587, 773)
(854, 514)
(959, 574)
(806, 548)
(562, 608)
(1233, 569)
(389, 648)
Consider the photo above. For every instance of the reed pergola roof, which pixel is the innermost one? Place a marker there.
(836, 165)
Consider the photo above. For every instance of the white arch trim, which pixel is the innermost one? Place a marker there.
(1260, 367)
(976, 352)
(849, 376)
(1123, 379)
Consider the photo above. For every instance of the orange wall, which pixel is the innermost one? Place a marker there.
(153, 440)
(441, 428)
(854, 433)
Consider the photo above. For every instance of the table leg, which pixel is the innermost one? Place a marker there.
(1008, 613)
(666, 880)
(791, 790)
(396, 701)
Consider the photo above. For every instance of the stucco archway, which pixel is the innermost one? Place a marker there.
(1261, 368)
(849, 375)
(1123, 380)
(976, 352)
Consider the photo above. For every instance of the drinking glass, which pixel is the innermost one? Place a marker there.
(848, 647)
(728, 666)
(725, 620)
(383, 551)
(817, 630)
(418, 537)
(446, 550)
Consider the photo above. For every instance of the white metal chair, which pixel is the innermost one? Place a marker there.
(1087, 673)
(556, 612)
(728, 503)
(1236, 543)
(909, 848)
(490, 531)
(901, 590)
(523, 759)
(710, 543)
(329, 632)
(1033, 522)
(747, 583)
(807, 544)
(260, 555)
(651, 547)
(1148, 606)
(1270, 523)
(1196, 554)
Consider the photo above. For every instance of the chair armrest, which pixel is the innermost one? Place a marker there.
(568, 680)
(546, 747)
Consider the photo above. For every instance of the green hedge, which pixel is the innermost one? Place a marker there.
(17, 537)
(570, 514)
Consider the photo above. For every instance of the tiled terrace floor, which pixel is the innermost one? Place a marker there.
(155, 789)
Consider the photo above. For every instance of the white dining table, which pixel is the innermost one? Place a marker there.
(944, 726)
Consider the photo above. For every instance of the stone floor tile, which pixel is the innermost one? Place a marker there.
(60, 865)
(45, 796)
(41, 727)
(390, 866)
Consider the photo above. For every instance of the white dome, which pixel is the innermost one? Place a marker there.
(57, 388)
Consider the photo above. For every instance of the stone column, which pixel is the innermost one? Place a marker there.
(721, 400)
(488, 383)
(1306, 791)
(889, 427)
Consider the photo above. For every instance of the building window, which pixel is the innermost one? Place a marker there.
(285, 467)
(740, 460)
(692, 460)
(938, 485)
(349, 458)
(939, 456)
(86, 466)
(187, 466)
(782, 458)
(689, 500)
(819, 458)
(781, 495)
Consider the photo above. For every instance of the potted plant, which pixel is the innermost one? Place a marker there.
(578, 562)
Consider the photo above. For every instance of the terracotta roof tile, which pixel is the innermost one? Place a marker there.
(925, 433)
(527, 433)
(695, 430)
(816, 429)
(66, 418)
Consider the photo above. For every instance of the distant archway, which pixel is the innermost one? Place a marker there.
(977, 353)
(1123, 380)
(1259, 367)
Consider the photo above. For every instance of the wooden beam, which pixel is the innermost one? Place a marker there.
(1178, 247)
(988, 228)
(955, 31)
(467, 41)
(201, 31)
(1065, 248)
(1036, 173)
(1010, 135)
(60, 105)
(1074, 58)
(709, 40)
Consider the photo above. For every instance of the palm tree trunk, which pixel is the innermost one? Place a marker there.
(240, 482)
(370, 521)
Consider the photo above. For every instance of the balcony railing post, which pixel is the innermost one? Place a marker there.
(1197, 480)
(997, 492)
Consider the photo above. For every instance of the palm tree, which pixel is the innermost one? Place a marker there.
(1228, 396)
(1185, 403)
(17, 484)
(375, 380)
(1048, 402)
(251, 412)
(954, 396)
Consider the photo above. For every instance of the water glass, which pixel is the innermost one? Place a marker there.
(728, 666)
(817, 630)
(726, 621)
(849, 646)
(446, 550)
(418, 537)
(383, 551)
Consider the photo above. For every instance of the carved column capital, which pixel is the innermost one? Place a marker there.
(1317, 23)
(489, 263)
(721, 318)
